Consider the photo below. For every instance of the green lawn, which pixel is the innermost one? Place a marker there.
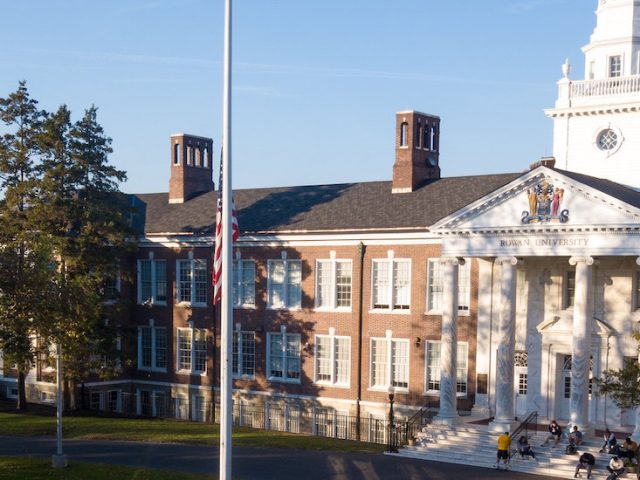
(22, 468)
(157, 430)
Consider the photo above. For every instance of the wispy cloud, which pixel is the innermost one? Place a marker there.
(260, 91)
(141, 6)
(526, 5)
(104, 58)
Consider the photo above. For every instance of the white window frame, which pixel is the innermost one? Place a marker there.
(154, 280)
(287, 302)
(332, 361)
(283, 356)
(390, 261)
(635, 282)
(568, 300)
(462, 368)
(610, 70)
(389, 364)
(154, 344)
(332, 301)
(464, 287)
(242, 286)
(192, 345)
(194, 265)
(117, 287)
(242, 356)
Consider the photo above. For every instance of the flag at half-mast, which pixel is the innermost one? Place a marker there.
(235, 233)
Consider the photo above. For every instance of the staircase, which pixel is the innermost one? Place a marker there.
(475, 445)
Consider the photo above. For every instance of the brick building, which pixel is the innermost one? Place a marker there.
(503, 294)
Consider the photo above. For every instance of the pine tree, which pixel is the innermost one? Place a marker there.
(23, 257)
(82, 213)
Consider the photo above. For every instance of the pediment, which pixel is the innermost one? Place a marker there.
(542, 199)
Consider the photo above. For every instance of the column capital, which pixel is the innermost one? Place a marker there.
(452, 261)
(510, 260)
(586, 259)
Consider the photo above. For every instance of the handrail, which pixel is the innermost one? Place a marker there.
(524, 425)
(420, 418)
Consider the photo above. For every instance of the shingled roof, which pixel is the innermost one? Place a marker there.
(320, 208)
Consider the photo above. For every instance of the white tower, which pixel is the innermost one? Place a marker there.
(596, 127)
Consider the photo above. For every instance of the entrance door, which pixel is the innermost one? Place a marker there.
(520, 380)
(564, 393)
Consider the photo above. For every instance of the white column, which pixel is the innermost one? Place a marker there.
(581, 343)
(449, 340)
(505, 412)
(636, 431)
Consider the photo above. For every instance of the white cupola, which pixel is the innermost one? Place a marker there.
(596, 127)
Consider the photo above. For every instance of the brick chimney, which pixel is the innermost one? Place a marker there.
(417, 150)
(548, 162)
(191, 167)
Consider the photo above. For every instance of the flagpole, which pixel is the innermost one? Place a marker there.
(226, 305)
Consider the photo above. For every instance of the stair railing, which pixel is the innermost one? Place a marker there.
(417, 421)
(531, 420)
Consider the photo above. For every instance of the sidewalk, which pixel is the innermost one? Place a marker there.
(255, 463)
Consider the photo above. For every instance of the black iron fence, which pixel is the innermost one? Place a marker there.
(303, 419)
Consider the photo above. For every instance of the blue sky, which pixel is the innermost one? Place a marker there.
(316, 82)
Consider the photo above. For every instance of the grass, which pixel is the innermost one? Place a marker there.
(165, 431)
(21, 468)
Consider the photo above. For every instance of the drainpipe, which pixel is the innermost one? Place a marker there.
(361, 251)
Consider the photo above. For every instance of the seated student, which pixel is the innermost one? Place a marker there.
(555, 432)
(629, 449)
(575, 437)
(524, 447)
(610, 441)
(587, 461)
(615, 467)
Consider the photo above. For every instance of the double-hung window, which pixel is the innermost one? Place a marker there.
(332, 360)
(333, 284)
(152, 281)
(152, 348)
(569, 289)
(191, 350)
(284, 283)
(389, 363)
(391, 284)
(191, 282)
(244, 283)
(284, 357)
(636, 289)
(244, 354)
(615, 66)
(433, 367)
(435, 287)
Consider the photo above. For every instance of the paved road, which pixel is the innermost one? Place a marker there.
(256, 463)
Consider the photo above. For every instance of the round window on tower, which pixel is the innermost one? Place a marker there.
(607, 140)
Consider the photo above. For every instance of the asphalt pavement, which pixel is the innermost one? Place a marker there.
(251, 463)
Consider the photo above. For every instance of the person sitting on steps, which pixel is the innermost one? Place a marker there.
(586, 461)
(610, 441)
(575, 437)
(615, 467)
(555, 432)
(524, 447)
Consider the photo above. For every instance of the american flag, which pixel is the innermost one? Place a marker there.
(235, 233)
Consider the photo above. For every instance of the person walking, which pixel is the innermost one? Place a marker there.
(504, 443)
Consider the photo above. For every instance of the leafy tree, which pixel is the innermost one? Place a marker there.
(22, 257)
(63, 227)
(81, 212)
(621, 385)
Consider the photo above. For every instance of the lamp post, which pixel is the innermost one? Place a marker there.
(392, 392)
